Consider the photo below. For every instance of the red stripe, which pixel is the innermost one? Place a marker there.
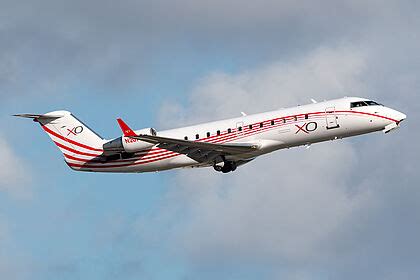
(69, 140)
(267, 125)
(256, 127)
(231, 136)
(139, 155)
(370, 114)
(75, 151)
(151, 159)
(226, 136)
(79, 159)
(170, 154)
(142, 157)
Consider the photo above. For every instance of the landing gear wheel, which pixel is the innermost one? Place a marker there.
(218, 168)
(228, 166)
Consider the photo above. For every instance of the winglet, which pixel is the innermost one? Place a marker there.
(127, 131)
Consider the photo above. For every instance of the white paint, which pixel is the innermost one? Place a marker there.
(269, 131)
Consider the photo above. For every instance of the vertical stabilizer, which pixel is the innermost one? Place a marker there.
(69, 134)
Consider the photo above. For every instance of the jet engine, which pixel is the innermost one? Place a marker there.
(129, 145)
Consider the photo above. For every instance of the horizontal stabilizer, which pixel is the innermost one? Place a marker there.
(37, 116)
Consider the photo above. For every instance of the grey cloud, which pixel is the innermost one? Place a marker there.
(321, 74)
(357, 214)
(286, 217)
(344, 210)
(55, 46)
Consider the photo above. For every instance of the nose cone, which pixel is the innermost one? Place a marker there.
(399, 116)
(394, 115)
(395, 118)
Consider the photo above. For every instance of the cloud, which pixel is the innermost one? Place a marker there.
(287, 212)
(285, 206)
(296, 213)
(324, 73)
(14, 174)
(54, 48)
(338, 210)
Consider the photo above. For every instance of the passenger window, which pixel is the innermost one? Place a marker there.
(208, 134)
(218, 132)
(306, 116)
(250, 126)
(240, 128)
(261, 124)
(284, 120)
(272, 122)
(186, 138)
(295, 118)
(197, 136)
(229, 130)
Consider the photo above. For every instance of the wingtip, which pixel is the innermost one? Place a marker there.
(127, 131)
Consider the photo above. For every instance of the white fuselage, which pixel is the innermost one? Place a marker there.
(285, 128)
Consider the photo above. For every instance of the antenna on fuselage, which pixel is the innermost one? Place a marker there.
(313, 101)
(243, 114)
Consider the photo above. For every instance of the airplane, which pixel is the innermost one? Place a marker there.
(223, 145)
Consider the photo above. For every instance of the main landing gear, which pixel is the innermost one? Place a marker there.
(225, 166)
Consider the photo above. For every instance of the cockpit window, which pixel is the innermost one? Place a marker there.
(364, 103)
(372, 103)
(357, 104)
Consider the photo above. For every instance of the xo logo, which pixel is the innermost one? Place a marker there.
(75, 130)
(307, 127)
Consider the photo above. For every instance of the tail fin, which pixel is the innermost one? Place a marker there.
(69, 134)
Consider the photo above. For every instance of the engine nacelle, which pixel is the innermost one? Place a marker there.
(129, 145)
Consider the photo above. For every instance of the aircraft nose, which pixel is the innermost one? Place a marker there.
(399, 116)
(395, 118)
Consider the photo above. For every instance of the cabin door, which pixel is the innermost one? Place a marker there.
(331, 118)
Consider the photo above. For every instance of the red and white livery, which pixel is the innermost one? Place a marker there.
(224, 144)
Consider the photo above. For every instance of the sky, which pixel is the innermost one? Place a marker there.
(339, 210)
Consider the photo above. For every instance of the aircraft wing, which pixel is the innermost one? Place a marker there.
(199, 151)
